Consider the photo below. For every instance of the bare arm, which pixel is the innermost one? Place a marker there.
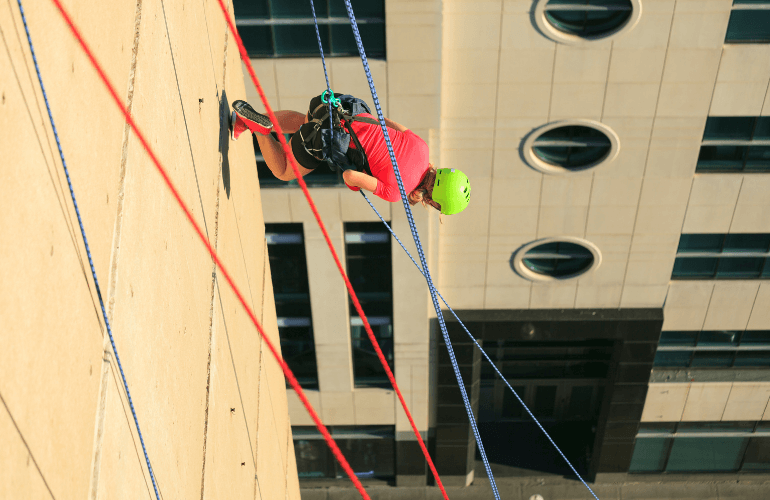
(395, 126)
(359, 180)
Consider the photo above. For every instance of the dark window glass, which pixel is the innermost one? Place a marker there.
(747, 243)
(284, 28)
(678, 338)
(369, 268)
(766, 270)
(572, 147)
(370, 450)
(729, 127)
(718, 338)
(605, 17)
(752, 358)
(694, 267)
(558, 259)
(758, 159)
(721, 158)
(713, 359)
(545, 401)
(288, 267)
(740, 267)
(512, 408)
(754, 337)
(580, 401)
(706, 454)
(313, 458)
(748, 26)
(680, 359)
(762, 130)
(649, 454)
(700, 243)
(757, 455)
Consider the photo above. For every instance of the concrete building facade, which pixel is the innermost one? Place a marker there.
(210, 401)
(661, 334)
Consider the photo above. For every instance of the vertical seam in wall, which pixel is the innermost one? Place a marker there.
(708, 306)
(647, 156)
(265, 263)
(686, 397)
(585, 232)
(722, 416)
(492, 165)
(112, 280)
(553, 78)
(214, 287)
(607, 81)
(753, 304)
(735, 207)
(716, 80)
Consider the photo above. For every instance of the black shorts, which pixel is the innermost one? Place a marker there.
(300, 150)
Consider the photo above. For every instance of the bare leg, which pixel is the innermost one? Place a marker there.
(272, 150)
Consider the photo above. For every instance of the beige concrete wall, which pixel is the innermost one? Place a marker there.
(707, 401)
(210, 400)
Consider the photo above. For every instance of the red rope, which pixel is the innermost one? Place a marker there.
(287, 372)
(356, 303)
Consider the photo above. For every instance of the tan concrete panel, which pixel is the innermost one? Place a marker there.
(630, 162)
(598, 296)
(689, 294)
(738, 98)
(675, 158)
(715, 190)
(628, 99)
(403, 38)
(51, 356)
(78, 102)
(699, 29)
(462, 66)
(613, 244)
(551, 296)
(349, 77)
(760, 313)
(766, 106)
(708, 219)
(414, 78)
(353, 208)
(506, 297)
(636, 65)
(272, 460)
(265, 70)
(643, 296)
(611, 272)
(472, 30)
(744, 63)
(652, 31)
(684, 99)
(501, 275)
(121, 472)
(706, 401)
(577, 100)
(731, 305)
(562, 221)
(580, 64)
(531, 100)
(338, 408)
(747, 401)
(378, 406)
(464, 297)
(616, 192)
(292, 479)
(665, 402)
(516, 193)
(22, 477)
(300, 78)
(297, 412)
(691, 65)
(539, 64)
(518, 33)
(655, 243)
(649, 268)
(276, 205)
(656, 191)
(566, 191)
(611, 220)
(750, 218)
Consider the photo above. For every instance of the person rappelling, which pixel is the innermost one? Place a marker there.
(354, 144)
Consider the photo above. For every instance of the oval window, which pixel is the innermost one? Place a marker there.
(556, 259)
(572, 147)
(588, 18)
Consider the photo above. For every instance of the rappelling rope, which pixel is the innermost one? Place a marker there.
(420, 252)
(499, 374)
(88, 250)
(369, 333)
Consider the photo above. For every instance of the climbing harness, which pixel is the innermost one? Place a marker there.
(451, 190)
(88, 252)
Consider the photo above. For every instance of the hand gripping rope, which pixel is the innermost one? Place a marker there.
(162, 171)
(88, 251)
(499, 374)
(420, 252)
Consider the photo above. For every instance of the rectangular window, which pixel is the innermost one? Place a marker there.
(370, 269)
(722, 256)
(749, 22)
(288, 266)
(284, 28)
(735, 144)
(715, 349)
(370, 451)
(322, 176)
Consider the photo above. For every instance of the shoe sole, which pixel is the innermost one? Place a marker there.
(232, 126)
(246, 112)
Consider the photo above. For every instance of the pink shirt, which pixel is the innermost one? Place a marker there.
(411, 155)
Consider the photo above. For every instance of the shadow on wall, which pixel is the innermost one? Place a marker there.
(224, 139)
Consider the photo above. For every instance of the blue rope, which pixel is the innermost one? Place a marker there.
(323, 61)
(420, 252)
(88, 250)
(483, 352)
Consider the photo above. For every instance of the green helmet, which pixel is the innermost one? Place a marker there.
(452, 190)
